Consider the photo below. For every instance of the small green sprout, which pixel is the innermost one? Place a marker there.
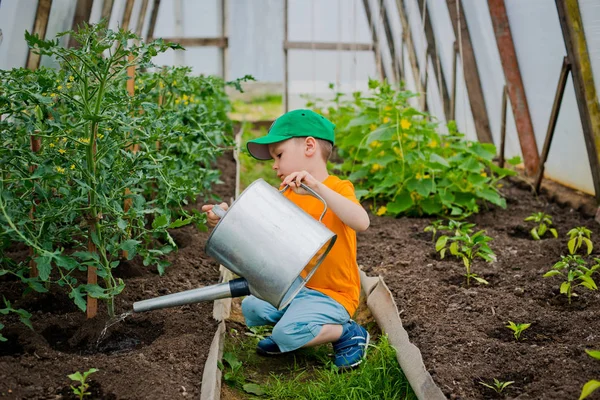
(517, 329)
(23, 316)
(592, 384)
(467, 247)
(544, 223)
(81, 390)
(497, 386)
(578, 236)
(575, 268)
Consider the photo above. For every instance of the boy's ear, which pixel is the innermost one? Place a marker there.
(310, 146)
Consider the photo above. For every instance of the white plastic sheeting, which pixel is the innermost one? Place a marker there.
(540, 50)
(255, 34)
(15, 19)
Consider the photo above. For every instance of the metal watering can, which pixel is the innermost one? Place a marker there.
(270, 242)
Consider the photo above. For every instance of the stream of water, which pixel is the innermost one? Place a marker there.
(110, 323)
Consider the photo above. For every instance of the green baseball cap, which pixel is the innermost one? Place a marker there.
(297, 123)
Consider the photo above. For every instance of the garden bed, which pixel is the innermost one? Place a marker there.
(154, 355)
(461, 331)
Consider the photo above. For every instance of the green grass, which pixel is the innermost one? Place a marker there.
(310, 373)
(252, 169)
(260, 108)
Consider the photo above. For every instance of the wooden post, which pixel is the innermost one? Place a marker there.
(92, 276)
(39, 27)
(286, 94)
(142, 17)
(82, 14)
(560, 90)
(107, 10)
(36, 145)
(127, 15)
(583, 82)
(426, 78)
(153, 17)
(412, 54)
(390, 39)
(471, 74)
(454, 73)
(503, 126)
(133, 148)
(224, 29)
(373, 29)
(516, 91)
(432, 51)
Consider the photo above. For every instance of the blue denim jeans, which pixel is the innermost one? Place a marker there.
(299, 322)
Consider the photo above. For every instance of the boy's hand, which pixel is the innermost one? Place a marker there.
(211, 218)
(296, 178)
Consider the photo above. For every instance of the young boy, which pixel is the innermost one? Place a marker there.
(300, 142)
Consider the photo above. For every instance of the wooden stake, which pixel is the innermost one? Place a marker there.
(39, 27)
(135, 147)
(560, 91)
(36, 145)
(503, 126)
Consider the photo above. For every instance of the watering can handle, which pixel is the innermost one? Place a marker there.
(218, 211)
(313, 193)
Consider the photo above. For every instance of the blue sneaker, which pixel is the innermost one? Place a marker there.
(351, 347)
(267, 347)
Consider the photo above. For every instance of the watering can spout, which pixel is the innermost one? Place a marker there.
(234, 288)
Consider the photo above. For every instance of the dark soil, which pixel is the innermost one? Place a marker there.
(461, 331)
(155, 355)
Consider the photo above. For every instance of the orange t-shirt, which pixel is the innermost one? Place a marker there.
(337, 276)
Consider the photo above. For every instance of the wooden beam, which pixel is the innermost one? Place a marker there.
(583, 82)
(127, 15)
(107, 9)
(141, 18)
(152, 23)
(327, 46)
(558, 96)
(199, 42)
(82, 14)
(224, 30)
(407, 39)
(378, 63)
(514, 82)
(471, 74)
(390, 40)
(39, 28)
(432, 51)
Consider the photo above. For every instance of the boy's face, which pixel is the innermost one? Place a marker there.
(290, 156)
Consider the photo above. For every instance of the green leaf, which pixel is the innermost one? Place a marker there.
(480, 280)
(96, 291)
(593, 353)
(160, 222)
(441, 243)
(383, 133)
(122, 224)
(588, 282)
(552, 273)
(78, 298)
(534, 234)
(564, 287)
(554, 232)
(435, 158)
(130, 246)
(66, 262)
(589, 244)
(44, 267)
(431, 205)
(402, 203)
(589, 388)
(253, 388)
(180, 222)
(571, 245)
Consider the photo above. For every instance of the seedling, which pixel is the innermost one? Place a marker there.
(517, 329)
(459, 228)
(574, 268)
(23, 316)
(433, 228)
(81, 390)
(233, 374)
(592, 384)
(467, 247)
(497, 386)
(544, 223)
(578, 236)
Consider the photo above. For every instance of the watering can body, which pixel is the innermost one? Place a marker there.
(267, 240)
